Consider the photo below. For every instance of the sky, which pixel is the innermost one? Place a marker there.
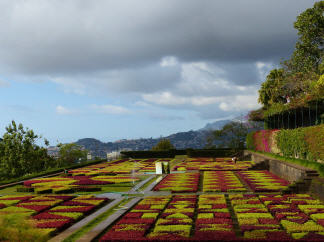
(114, 69)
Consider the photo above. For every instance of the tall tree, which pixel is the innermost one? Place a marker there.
(271, 90)
(164, 144)
(308, 54)
(70, 153)
(232, 135)
(19, 153)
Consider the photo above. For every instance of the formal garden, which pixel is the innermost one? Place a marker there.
(201, 199)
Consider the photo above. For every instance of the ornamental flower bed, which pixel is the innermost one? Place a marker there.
(222, 181)
(137, 222)
(177, 219)
(76, 183)
(180, 217)
(179, 182)
(299, 214)
(86, 178)
(52, 212)
(254, 220)
(263, 181)
(219, 164)
(11, 200)
(67, 212)
(208, 217)
(213, 219)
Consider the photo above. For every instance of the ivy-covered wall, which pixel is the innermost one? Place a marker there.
(305, 143)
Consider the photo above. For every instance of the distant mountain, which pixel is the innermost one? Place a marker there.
(182, 140)
(216, 125)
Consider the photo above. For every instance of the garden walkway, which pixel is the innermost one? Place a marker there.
(66, 233)
(107, 222)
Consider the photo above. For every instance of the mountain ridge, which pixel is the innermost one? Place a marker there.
(195, 139)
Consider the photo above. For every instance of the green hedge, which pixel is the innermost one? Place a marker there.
(173, 153)
(305, 143)
(292, 142)
(153, 153)
(250, 141)
(211, 152)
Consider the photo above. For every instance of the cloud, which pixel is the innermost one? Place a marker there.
(110, 109)
(164, 116)
(4, 83)
(143, 79)
(168, 61)
(207, 57)
(64, 110)
(56, 37)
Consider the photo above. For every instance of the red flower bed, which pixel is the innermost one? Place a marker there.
(179, 182)
(37, 208)
(46, 215)
(84, 209)
(65, 198)
(21, 198)
(224, 181)
(216, 220)
(30, 182)
(53, 224)
(136, 221)
(75, 203)
(215, 236)
(263, 181)
(123, 236)
(133, 215)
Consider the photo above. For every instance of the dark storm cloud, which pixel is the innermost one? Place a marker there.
(206, 56)
(52, 37)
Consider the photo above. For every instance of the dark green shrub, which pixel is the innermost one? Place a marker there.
(250, 141)
(314, 137)
(292, 143)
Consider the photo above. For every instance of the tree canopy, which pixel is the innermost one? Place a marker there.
(298, 80)
(70, 153)
(232, 135)
(19, 153)
(164, 144)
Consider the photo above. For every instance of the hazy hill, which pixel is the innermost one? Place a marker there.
(182, 140)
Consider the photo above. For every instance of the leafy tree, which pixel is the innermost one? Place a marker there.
(164, 144)
(70, 153)
(232, 135)
(308, 54)
(271, 90)
(19, 153)
(298, 76)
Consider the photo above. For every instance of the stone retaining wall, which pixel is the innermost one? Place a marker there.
(301, 176)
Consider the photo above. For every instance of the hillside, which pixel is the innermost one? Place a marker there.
(182, 140)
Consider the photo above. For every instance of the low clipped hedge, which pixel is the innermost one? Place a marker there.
(212, 152)
(153, 153)
(189, 152)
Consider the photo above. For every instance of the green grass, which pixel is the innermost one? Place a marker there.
(309, 164)
(148, 183)
(12, 191)
(75, 236)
